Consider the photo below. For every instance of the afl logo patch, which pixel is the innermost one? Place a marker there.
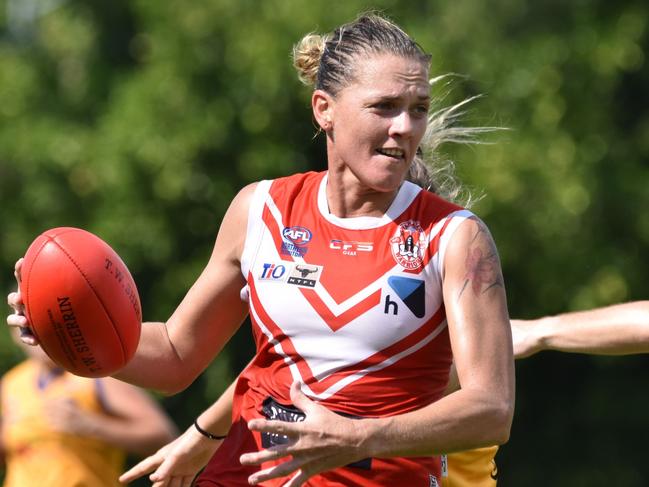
(299, 236)
(295, 241)
(408, 245)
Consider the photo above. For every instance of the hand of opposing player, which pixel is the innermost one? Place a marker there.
(18, 319)
(65, 415)
(323, 441)
(177, 463)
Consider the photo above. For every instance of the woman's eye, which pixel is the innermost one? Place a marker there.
(384, 105)
(421, 109)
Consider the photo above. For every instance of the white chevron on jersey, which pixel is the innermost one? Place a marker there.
(291, 319)
(295, 372)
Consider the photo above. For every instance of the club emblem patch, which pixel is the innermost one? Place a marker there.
(408, 245)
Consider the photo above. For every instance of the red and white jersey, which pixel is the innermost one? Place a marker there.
(350, 307)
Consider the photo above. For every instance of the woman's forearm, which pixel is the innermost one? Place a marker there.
(462, 420)
(155, 352)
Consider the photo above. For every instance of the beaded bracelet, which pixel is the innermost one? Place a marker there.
(207, 434)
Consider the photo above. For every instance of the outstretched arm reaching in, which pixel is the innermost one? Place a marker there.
(619, 329)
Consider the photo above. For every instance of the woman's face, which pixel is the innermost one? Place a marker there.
(378, 120)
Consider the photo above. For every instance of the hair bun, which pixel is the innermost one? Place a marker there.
(306, 57)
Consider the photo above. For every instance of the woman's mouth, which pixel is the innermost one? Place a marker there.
(392, 152)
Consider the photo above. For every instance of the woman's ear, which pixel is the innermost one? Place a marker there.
(322, 104)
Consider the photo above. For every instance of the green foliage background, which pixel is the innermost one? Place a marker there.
(139, 120)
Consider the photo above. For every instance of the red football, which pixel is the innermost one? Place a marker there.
(81, 302)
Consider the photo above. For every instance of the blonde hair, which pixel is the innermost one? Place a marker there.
(326, 62)
(306, 57)
(429, 169)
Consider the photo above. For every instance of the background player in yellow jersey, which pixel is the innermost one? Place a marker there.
(613, 330)
(60, 430)
(619, 329)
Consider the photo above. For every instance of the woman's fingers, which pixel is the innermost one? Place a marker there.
(145, 466)
(298, 479)
(273, 453)
(15, 301)
(17, 320)
(18, 270)
(299, 399)
(275, 426)
(276, 471)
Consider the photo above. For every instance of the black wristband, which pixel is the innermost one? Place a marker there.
(207, 434)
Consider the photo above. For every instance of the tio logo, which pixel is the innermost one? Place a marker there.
(273, 272)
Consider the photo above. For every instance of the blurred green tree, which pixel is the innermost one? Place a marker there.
(139, 120)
